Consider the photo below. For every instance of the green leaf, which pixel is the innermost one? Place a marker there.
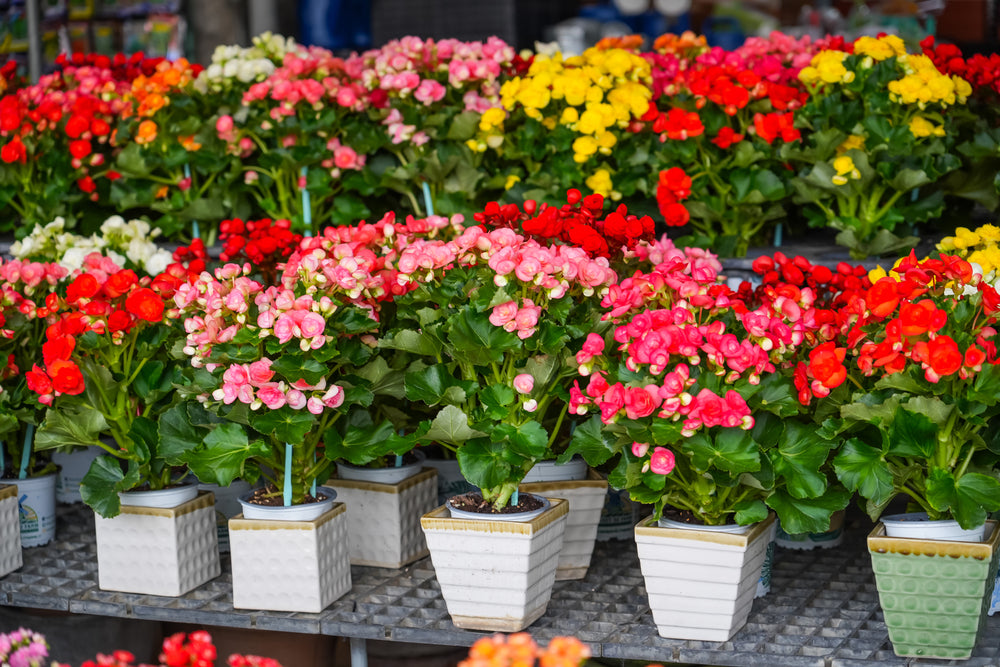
(149, 379)
(590, 441)
(435, 385)
(862, 469)
(177, 435)
(362, 444)
(383, 380)
(912, 434)
(294, 368)
(731, 449)
(100, 486)
(969, 499)
(528, 440)
(750, 511)
(451, 426)
(907, 179)
(464, 126)
(484, 464)
(285, 424)
(497, 399)
(409, 340)
(799, 458)
(225, 452)
(477, 340)
(70, 426)
(144, 437)
(808, 515)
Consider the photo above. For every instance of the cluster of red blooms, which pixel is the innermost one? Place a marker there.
(264, 243)
(981, 71)
(581, 222)
(673, 186)
(104, 300)
(520, 650)
(122, 67)
(194, 650)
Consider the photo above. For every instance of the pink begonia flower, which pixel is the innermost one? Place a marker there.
(639, 449)
(260, 372)
(592, 347)
(334, 396)
(503, 313)
(271, 395)
(639, 402)
(315, 405)
(662, 461)
(429, 91)
(284, 328)
(295, 399)
(530, 405)
(312, 325)
(524, 383)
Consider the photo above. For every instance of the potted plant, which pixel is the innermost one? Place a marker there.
(491, 316)
(685, 407)
(22, 330)
(104, 372)
(916, 381)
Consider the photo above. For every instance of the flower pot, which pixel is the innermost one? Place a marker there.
(227, 505)
(549, 471)
(10, 531)
(158, 550)
(528, 515)
(496, 575)
(381, 475)
(305, 512)
(934, 593)
(586, 500)
(383, 519)
(701, 583)
(450, 479)
(807, 541)
(290, 565)
(917, 525)
(73, 467)
(161, 498)
(36, 498)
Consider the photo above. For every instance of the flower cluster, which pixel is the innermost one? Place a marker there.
(520, 650)
(264, 243)
(237, 67)
(23, 648)
(673, 186)
(981, 247)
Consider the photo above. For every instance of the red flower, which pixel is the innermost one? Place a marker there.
(679, 124)
(119, 320)
(826, 365)
(675, 214)
(59, 348)
(991, 299)
(80, 148)
(84, 287)
(76, 125)
(38, 381)
(727, 137)
(882, 298)
(66, 377)
(921, 317)
(120, 283)
(943, 357)
(14, 151)
(145, 304)
(774, 125)
(86, 184)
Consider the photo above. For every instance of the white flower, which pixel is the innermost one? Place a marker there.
(73, 259)
(158, 262)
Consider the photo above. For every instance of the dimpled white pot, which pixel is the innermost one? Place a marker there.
(701, 584)
(158, 551)
(10, 531)
(586, 500)
(282, 565)
(496, 575)
(383, 520)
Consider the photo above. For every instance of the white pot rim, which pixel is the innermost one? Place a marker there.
(515, 516)
(917, 525)
(734, 528)
(347, 471)
(549, 471)
(161, 498)
(29, 479)
(305, 512)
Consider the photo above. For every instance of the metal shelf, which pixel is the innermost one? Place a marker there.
(822, 610)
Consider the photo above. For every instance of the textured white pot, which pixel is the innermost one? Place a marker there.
(10, 531)
(158, 551)
(290, 565)
(586, 500)
(550, 471)
(917, 525)
(383, 520)
(36, 500)
(381, 475)
(496, 575)
(163, 498)
(227, 505)
(701, 584)
(72, 468)
(304, 512)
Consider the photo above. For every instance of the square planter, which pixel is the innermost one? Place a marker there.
(10, 531)
(383, 520)
(157, 551)
(934, 593)
(586, 500)
(496, 575)
(701, 584)
(290, 565)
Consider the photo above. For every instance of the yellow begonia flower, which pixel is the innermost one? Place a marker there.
(569, 116)
(843, 165)
(988, 258)
(871, 46)
(583, 148)
(512, 180)
(600, 182)
(921, 127)
(855, 141)
(492, 118)
(990, 233)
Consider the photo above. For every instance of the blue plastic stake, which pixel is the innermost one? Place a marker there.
(399, 461)
(3, 462)
(514, 499)
(777, 235)
(307, 214)
(195, 231)
(312, 488)
(428, 204)
(287, 492)
(29, 440)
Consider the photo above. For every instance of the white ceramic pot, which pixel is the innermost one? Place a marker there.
(306, 512)
(381, 475)
(36, 499)
(156, 550)
(72, 468)
(450, 479)
(162, 498)
(701, 584)
(549, 471)
(227, 505)
(733, 528)
(384, 519)
(496, 575)
(10, 531)
(514, 516)
(917, 525)
(290, 565)
(586, 500)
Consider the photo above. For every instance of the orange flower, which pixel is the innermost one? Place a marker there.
(146, 133)
(189, 143)
(627, 42)
(162, 192)
(564, 652)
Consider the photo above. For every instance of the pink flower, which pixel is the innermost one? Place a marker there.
(662, 461)
(271, 395)
(315, 405)
(524, 383)
(312, 325)
(639, 449)
(260, 372)
(295, 399)
(429, 91)
(503, 313)
(592, 347)
(334, 396)
(639, 402)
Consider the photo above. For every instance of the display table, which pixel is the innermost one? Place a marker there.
(822, 610)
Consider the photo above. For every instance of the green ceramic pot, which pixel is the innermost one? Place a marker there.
(934, 593)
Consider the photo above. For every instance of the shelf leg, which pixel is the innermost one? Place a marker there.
(359, 652)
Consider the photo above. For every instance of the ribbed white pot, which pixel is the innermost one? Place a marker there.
(390, 475)
(282, 565)
(917, 525)
(496, 575)
(701, 584)
(383, 520)
(586, 499)
(158, 551)
(36, 500)
(10, 531)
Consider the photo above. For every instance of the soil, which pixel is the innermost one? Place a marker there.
(683, 516)
(473, 502)
(263, 497)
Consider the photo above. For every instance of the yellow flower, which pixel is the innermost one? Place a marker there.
(492, 118)
(512, 180)
(583, 148)
(591, 121)
(549, 122)
(600, 182)
(853, 142)
(569, 116)
(988, 258)
(475, 146)
(827, 66)
(880, 48)
(808, 74)
(605, 142)
(843, 164)
(921, 127)
(877, 274)
(990, 233)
